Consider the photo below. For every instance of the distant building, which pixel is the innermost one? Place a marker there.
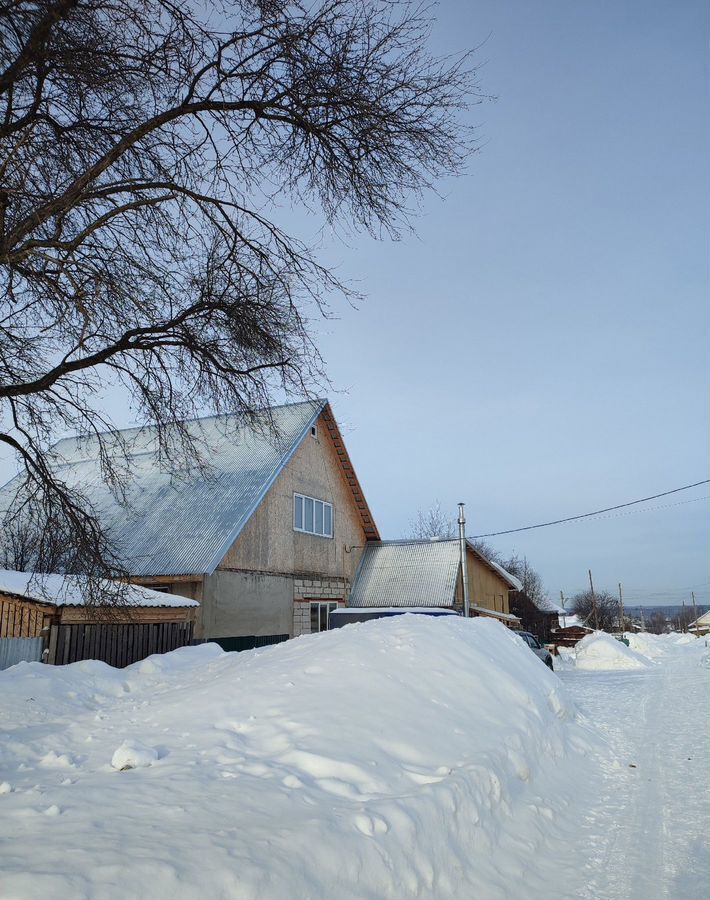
(701, 625)
(540, 617)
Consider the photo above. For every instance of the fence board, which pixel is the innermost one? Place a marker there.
(118, 645)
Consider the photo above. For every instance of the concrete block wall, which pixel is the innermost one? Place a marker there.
(307, 589)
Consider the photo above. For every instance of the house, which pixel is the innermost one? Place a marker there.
(415, 573)
(266, 534)
(46, 618)
(570, 629)
(540, 617)
(701, 625)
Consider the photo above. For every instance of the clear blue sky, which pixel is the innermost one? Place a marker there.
(540, 348)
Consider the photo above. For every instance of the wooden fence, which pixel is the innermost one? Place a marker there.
(116, 644)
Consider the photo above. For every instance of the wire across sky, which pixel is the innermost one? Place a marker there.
(597, 512)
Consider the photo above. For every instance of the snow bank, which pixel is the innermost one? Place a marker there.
(405, 757)
(654, 646)
(602, 651)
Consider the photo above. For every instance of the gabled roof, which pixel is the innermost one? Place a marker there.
(185, 525)
(407, 573)
(414, 573)
(66, 590)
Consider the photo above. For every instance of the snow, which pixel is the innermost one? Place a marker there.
(66, 590)
(402, 757)
(133, 755)
(602, 651)
(645, 835)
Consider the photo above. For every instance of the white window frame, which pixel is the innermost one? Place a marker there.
(330, 606)
(324, 505)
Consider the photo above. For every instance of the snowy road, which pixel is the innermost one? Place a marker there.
(648, 834)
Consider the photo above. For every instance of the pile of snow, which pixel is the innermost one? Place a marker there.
(133, 755)
(404, 757)
(654, 646)
(602, 651)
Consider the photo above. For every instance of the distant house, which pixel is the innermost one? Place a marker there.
(540, 617)
(46, 618)
(267, 538)
(428, 574)
(701, 625)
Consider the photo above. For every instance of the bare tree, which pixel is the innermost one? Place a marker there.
(683, 618)
(607, 611)
(528, 577)
(145, 147)
(657, 623)
(433, 523)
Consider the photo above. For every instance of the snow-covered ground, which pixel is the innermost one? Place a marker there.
(408, 757)
(647, 835)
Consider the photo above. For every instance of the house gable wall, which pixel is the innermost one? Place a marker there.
(486, 587)
(268, 542)
(270, 575)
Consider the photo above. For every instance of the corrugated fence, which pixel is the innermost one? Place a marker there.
(14, 650)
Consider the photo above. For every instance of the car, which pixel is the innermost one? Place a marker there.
(536, 647)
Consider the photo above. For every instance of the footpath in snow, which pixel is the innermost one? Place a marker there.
(647, 836)
(399, 758)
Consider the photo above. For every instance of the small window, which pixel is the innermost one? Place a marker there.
(320, 615)
(314, 431)
(312, 516)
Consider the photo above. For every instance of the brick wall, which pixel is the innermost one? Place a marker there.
(307, 589)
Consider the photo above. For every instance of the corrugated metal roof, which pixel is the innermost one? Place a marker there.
(183, 525)
(407, 573)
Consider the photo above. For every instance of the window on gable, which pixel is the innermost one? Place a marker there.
(312, 516)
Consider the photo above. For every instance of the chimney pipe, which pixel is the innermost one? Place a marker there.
(464, 566)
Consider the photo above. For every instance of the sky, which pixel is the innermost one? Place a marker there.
(539, 347)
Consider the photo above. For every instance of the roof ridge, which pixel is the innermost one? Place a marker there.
(224, 415)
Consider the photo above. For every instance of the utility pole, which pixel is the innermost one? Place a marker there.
(683, 623)
(643, 624)
(464, 564)
(621, 610)
(594, 602)
(564, 611)
(695, 613)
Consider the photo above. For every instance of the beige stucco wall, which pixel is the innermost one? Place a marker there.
(239, 603)
(268, 542)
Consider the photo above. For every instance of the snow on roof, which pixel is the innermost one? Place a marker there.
(506, 617)
(544, 604)
(66, 590)
(178, 526)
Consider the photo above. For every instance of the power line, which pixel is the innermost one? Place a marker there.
(598, 512)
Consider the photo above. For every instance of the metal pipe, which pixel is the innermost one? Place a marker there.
(464, 566)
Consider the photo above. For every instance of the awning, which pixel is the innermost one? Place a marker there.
(484, 611)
